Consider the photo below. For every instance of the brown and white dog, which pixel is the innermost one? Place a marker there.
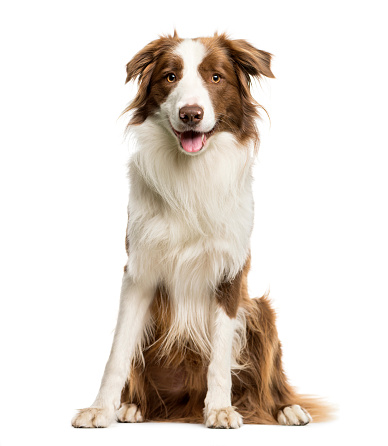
(190, 345)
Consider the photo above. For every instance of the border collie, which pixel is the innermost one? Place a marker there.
(190, 345)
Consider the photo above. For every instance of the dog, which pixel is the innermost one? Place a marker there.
(190, 344)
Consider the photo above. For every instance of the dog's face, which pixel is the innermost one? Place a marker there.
(198, 87)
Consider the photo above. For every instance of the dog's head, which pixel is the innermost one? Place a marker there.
(197, 88)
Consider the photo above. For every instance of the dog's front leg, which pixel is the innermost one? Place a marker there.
(218, 411)
(134, 312)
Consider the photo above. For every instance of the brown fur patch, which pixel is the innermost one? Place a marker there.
(236, 61)
(228, 294)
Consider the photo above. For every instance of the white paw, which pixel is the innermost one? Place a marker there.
(93, 417)
(129, 413)
(226, 418)
(294, 416)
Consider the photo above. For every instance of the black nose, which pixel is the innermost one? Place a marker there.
(191, 114)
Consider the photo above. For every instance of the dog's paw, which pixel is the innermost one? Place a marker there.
(293, 416)
(129, 413)
(93, 417)
(226, 418)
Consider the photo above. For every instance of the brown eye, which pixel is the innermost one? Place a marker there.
(216, 78)
(171, 77)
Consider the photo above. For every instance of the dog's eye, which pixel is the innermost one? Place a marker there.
(216, 78)
(171, 77)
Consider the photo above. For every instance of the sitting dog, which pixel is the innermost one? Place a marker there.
(190, 345)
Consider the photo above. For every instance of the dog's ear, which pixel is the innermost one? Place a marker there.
(141, 66)
(142, 63)
(250, 60)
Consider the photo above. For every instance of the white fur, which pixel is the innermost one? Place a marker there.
(294, 416)
(93, 417)
(190, 221)
(226, 418)
(190, 90)
(218, 411)
(129, 413)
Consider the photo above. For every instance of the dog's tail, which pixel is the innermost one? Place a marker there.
(261, 388)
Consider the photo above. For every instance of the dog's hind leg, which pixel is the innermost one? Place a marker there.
(129, 413)
(133, 396)
(261, 391)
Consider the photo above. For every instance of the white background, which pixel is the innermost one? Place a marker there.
(320, 237)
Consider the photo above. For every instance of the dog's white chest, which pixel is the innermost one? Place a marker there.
(190, 222)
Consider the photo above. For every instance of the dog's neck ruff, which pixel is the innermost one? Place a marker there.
(200, 190)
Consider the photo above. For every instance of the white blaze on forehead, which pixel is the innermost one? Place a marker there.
(192, 52)
(191, 89)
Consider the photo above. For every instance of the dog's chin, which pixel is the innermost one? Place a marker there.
(192, 142)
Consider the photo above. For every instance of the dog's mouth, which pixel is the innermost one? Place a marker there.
(192, 141)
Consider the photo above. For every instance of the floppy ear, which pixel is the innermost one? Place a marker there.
(142, 63)
(141, 66)
(250, 60)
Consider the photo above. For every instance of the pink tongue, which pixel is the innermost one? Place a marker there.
(191, 141)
